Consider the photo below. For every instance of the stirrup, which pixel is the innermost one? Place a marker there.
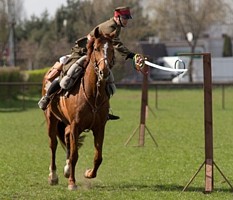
(113, 117)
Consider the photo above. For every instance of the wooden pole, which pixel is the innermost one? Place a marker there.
(144, 112)
(208, 123)
(144, 109)
(223, 97)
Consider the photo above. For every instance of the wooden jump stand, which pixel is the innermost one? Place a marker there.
(208, 124)
(144, 112)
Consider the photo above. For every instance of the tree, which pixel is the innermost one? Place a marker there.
(8, 18)
(3, 31)
(189, 16)
(32, 36)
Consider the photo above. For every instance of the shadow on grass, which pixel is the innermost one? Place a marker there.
(157, 188)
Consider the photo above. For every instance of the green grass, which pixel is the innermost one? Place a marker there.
(127, 172)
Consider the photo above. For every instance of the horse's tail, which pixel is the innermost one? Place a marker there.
(61, 136)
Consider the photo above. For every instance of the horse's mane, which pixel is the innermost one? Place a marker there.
(90, 47)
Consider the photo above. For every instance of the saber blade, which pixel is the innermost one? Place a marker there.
(164, 68)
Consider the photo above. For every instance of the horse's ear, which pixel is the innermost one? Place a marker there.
(112, 34)
(97, 32)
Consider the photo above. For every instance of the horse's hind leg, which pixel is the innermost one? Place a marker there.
(98, 142)
(52, 128)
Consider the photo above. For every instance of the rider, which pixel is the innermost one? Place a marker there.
(119, 20)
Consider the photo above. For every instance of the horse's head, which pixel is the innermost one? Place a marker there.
(103, 54)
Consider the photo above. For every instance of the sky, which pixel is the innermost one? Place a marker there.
(39, 6)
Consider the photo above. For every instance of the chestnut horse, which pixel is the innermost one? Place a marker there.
(86, 108)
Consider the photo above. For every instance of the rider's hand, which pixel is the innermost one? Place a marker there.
(139, 61)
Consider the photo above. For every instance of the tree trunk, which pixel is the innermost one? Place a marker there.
(190, 65)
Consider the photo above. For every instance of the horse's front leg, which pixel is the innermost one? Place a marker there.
(98, 142)
(67, 141)
(74, 134)
(53, 177)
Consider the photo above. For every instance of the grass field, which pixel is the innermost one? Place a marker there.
(127, 172)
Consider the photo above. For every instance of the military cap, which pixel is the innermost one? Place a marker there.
(123, 11)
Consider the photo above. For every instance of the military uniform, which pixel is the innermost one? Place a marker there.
(106, 27)
(109, 27)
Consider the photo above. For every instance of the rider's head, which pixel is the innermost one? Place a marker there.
(122, 15)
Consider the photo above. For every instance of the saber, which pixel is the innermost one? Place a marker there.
(164, 68)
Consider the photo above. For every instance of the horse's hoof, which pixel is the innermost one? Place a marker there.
(72, 187)
(89, 174)
(53, 181)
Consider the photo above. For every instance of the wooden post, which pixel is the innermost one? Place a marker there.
(144, 112)
(208, 122)
(223, 96)
(144, 104)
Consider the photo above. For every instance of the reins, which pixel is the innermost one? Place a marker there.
(94, 107)
(96, 67)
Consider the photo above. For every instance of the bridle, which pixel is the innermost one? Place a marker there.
(108, 64)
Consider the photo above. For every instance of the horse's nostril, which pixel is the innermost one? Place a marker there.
(101, 73)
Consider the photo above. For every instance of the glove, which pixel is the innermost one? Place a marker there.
(139, 61)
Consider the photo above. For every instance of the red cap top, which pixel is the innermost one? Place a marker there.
(123, 11)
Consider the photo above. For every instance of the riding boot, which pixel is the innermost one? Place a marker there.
(45, 100)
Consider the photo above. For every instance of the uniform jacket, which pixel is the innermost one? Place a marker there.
(110, 26)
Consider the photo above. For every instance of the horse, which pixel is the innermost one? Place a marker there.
(85, 108)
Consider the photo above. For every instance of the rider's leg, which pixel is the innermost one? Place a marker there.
(74, 73)
(55, 85)
(111, 89)
(44, 101)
